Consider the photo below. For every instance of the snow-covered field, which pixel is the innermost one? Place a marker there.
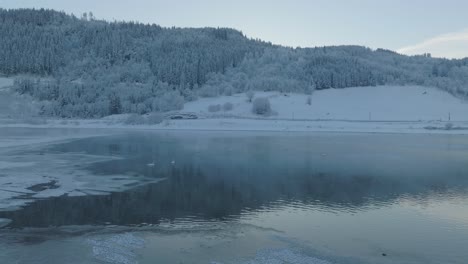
(5, 82)
(384, 109)
(382, 103)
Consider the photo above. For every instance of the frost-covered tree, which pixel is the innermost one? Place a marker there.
(228, 106)
(115, 107)
(261, 106)
(92, 65)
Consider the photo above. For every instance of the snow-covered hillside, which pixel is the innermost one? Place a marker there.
(382, 103)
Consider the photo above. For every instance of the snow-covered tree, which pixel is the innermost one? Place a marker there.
(261, 106)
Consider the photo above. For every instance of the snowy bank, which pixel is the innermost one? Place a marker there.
(251, 124)
(382, 109)
(387, 109)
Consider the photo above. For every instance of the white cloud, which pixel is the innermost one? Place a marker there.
(451, 45)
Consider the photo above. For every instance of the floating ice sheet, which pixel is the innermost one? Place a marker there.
(26, 170)
(4, 222)
(117, 249)
(284, 256)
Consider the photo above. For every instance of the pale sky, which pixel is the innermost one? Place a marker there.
(407, 26)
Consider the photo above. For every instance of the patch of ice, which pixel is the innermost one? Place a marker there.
(4, 222)
(6, 165)
(281, 256)
(284, 256)
(23, 168)
(117, 249)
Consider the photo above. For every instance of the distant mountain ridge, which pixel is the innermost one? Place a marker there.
(85, 67)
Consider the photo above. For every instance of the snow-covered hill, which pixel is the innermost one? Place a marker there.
(382, 103)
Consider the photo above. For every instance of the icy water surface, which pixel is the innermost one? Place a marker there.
(255, 198)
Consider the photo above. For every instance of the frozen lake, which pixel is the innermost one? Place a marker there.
(238, 197)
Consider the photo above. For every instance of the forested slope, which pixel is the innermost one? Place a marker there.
(84, 67)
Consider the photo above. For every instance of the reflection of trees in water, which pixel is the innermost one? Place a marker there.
(191, 192)
(220, 177)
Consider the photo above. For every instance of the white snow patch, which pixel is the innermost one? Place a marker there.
(5, 82)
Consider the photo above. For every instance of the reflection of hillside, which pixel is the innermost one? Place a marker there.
(190, 193)
(218, 177)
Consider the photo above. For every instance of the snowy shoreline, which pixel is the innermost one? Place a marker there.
(256, 124)
(381, 109)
